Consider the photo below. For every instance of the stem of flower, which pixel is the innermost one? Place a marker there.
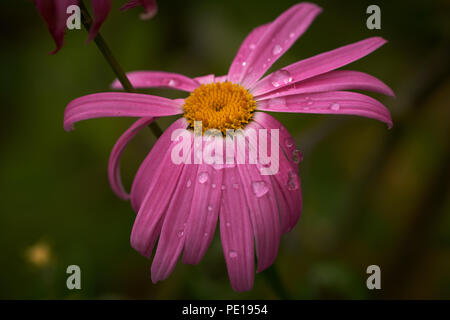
(273, 278)
(115, 66)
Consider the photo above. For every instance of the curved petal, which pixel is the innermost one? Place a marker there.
(204, 213)
(112, 104)
(275, 40)
(158, 79)
(333, 81)
(150, 7)
(101, 9)
(151, 164)
(236, 233)
(161, 187)
(55, 15)
(286, 182)
(333, 102)
(173, 233)
(316, 65)
(114, 159)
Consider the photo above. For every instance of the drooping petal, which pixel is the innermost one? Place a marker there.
(333, 81)
(101, 9)
(316, 65)
(150, 7)
(203, 213)
(236, 233)
(285, 182)
(275, 40)
(158, 79)
(55, 15)
(333, 102)
(158, 198)
(114, 159)
(173, 233)
(112, 104)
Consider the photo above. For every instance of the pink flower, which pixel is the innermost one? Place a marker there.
(181, 203)
(54, 12)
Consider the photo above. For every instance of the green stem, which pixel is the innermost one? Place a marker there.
(274, 280)
(115, 66)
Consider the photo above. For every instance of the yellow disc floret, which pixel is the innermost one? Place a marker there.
(220, 106)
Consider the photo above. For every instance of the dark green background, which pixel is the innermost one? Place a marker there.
(371, 195)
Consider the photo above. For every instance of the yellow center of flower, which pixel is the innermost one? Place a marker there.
(220, 106)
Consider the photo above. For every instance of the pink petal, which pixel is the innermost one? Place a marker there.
(204, 212)
(286, 183)
(173, 233)
(333, 102)
(157, 79)
(263, 214)
(114, 159)
(158, 198)
(236, 233)
(55, 15)
(101, 10)
(221, 79)
(209, 78)
(240, 60)
(333, 81)
(150, 7)
(318, 64)
(146, 172)
(113, 104)
(276, 40)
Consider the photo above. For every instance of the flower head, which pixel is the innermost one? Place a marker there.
(54, 12)
(181, 202)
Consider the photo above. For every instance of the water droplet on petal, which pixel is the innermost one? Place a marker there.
(296, 156)
(210, 207)
(259, 188)
(228, 224)
(275, 103)
(235, 185)
(213, 185)
(233, 254)
(180, 233)
(203, 177)
(252, 46)
(289, 142)
(223, 187)
(291, 35)
(188, 183)
(280, 77)
(172, 82)
(277, 50)
(244, 64)
(335, 107)
(292, 182)
(206, 234)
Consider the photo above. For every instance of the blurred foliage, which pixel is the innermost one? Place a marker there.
(371, 195)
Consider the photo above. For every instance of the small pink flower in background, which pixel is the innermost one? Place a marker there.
(54, 12)
(181, 204)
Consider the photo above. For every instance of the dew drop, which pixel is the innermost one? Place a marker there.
(172, 82)
(206, 234)
(180, 233)
(233, 254)
(277, 50)
(252, 46)
(213, 185)
(277, 103)
(188, 183)
(335, 107)
(244, 64)
(296, 156)
(292, 182)
(259, 188)
(228, 224)
(289, 142)
(280, 77)
(291, 35)
(203, 177)
(210, 207)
